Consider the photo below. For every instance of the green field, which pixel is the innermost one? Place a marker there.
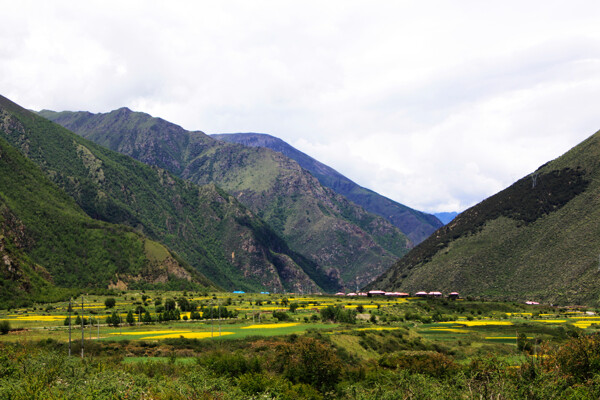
(351, 346)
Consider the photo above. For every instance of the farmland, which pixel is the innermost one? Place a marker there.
(296, 346)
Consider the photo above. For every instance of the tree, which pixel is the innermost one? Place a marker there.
(115, 320)
(130, 320)
(294, 307)
(338, 314)
(147, 318)
(184, 304)
(169, 304)
(110, 302)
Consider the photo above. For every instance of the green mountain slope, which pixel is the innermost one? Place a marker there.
(46, 238)
(21, 280)
(416, 225)
(538, 239)
(208, 228)
(349, 243)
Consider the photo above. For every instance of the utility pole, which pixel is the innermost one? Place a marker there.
(70, 299)
(82, 324)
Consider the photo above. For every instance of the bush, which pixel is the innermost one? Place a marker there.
(578, 360)
(110, 302)
(281, 316)
(309, 361)
(231, 364)
(422, 362)
(4, 327)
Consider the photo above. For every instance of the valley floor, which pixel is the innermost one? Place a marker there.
(295, 347)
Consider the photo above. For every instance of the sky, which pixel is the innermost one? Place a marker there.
(435, 104)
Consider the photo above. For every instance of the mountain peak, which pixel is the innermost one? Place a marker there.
(415, 224)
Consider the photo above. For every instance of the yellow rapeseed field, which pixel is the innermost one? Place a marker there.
(35, 318)
(148, 332)
(552, 321)
(504, 337)
(478, 322)
(269, 326)
(456, 330)
(189, 335)
(379, 328)
(585, 324)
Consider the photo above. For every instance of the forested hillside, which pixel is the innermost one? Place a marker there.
(208, 228)
(352, 245)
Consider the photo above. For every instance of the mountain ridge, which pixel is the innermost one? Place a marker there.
(350, 244)
(204, 225)
(416, 225)
(536, 239)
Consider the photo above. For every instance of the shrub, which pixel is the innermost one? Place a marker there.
(309, 361)
(577, 360)
(281, 316)
(423, 362)
(4, 327)
(110, 302)
(231, 364)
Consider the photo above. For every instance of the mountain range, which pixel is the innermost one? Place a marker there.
(200, 229)
(538, 239)
(341, 238)
(416, 225)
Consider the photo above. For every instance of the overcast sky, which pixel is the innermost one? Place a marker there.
(437, 105)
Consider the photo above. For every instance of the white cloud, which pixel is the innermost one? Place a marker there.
(434, 105)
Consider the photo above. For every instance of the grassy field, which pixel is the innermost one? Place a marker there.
(292, 346)
(453, 323)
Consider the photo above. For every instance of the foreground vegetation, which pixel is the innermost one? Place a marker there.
(230, 346)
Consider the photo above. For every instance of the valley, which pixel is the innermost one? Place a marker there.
(295, 346)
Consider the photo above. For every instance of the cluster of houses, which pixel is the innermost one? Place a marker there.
(453, 295)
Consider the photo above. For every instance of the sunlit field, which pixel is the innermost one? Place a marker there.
(241, 345)
(253, 315)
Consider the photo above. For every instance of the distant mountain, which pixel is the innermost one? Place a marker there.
(414, 224)
(539, 239)
(208, 228)
(446, 217)
(349, 244)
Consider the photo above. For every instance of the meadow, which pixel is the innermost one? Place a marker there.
(298, 346)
